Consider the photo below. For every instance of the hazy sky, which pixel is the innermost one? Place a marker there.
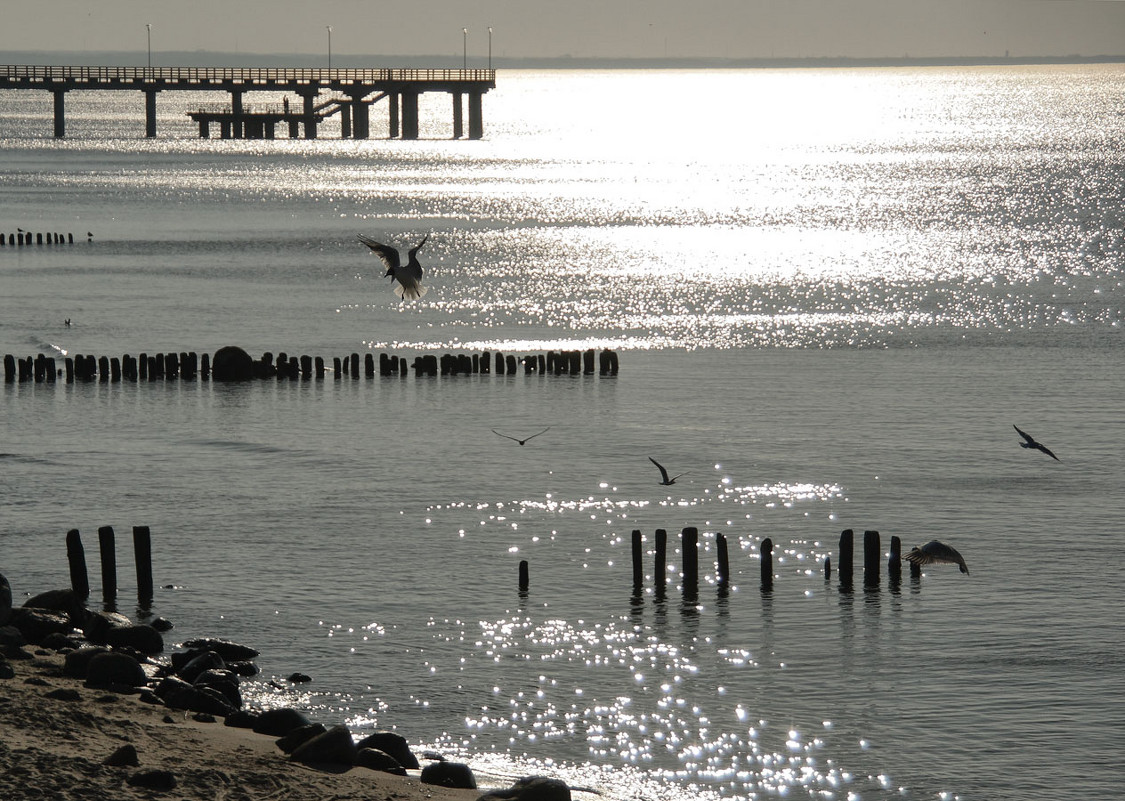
(580, 28)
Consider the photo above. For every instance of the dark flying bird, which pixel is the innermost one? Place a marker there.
(664, 480)
(525, 439)
(1030, 442)
(408, 276)
(934, 552)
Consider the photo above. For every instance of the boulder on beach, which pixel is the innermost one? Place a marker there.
(374, 759)
(142, 637)
(113, 669)
(5, 600)
(449, 774)
(197, 666)
(77, 662)
(232, 363)
(531, 788)
(65, 601)
(224, 682)
(332, 747)
(229, 651)
(298, 737)
(393, 744)
(35, 624)
(279, 722)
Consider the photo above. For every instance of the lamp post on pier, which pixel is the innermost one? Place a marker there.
(464, 48)
(490, 47)
(148, 29)
(329, 29)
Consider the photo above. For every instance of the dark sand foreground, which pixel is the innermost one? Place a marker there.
(55, 734)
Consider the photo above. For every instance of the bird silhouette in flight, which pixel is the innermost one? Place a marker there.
(525, 439)
(665, 481)
(408, 276)
(1030, 442)
(934, 552)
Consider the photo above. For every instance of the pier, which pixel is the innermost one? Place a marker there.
(351, 93)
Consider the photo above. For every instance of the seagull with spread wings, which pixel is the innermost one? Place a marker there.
(525, 439)
(665, 481)
(1030, 442)
(934, 552)
(408, 276)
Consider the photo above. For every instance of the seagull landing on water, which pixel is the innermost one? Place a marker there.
(1030, 442)
(934, 552)
(525, 439)
(664, 480)
(408, 276)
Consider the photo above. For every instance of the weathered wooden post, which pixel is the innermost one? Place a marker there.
(767, 563)
(76, 556)
(355, 365)
(638, 566)
(103, 368)
(205, 366)
(10, 368)
(369, 365)
(828, 568)
(660, 570)
(115, 370)
(724, 561)
(524, 579)
(142, 554)
(871, 554)
(337, 368)
(689, 542)
(109, 565)
(845, 568)
(318, 368)
(510, 363)
(894, 563)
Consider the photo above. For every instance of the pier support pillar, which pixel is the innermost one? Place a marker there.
(476, 116)
(345, 121)
(457, 114)
(238, 130)
(309, 114)
(60, 113)
(392, 115)
(409, 115)
(150, 113)
(361, 119)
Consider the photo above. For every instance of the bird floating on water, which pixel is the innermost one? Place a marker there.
(525, 439)
(1031, 442)
(665, 481)
(409, 275)
(934, 552)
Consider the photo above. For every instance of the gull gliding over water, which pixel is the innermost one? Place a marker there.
(934, 552)
(1030, 442)
(525, 439)
(409, 275)
(664, 480)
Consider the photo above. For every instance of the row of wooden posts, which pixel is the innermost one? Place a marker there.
(142, 552)
(28, 238)
(188, 366)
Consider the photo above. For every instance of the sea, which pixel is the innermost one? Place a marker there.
(833, 294)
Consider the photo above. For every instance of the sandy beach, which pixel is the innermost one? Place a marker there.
(56, 734)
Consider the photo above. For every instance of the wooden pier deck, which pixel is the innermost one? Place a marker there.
(355, 90)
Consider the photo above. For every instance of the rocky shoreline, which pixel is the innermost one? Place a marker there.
(92, 706)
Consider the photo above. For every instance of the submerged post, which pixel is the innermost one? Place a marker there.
(142, 553)
(767, 564)
(724, 561)
(109, 564)
(845, 567)
(871, 558)
(689, 542)
(60, 112)
(638, 567)
(894, 563)
(76, 556)
(660, 570)
(524, 580)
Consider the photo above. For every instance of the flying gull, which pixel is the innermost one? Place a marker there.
(934, 552)
(664, 480)
(1030, 442)
(525, 439)
(408, 276)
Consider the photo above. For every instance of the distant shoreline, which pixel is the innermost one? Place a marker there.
(204, 58)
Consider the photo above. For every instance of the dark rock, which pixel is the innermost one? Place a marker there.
(279, 722)
(374, 759)
(230, 651)
(223, 682)
(35, 681)
(181, 695)
(65, 694)
(208, 660)
(203, 717)
(232, 364)
(59, 642)
(10, 635)
(299, 678)
(153, 780)
(6, 669)
(96, 625)
(5, 600)
(35, 624)
(15, 653)
(149, 697)
(109, 669)
(243, 668)
(296, 738)
(449, 774)
(531, 788)
(393, 744)
(332, 747)
(125, 756)
(65, 601)
(77, 662)
(242, 719)
(142, 637)
(162, 624)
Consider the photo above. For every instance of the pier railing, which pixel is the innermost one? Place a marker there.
(247, 75)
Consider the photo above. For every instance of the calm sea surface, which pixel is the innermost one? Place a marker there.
(833, 293)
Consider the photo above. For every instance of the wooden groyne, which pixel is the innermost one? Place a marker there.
(27, 238)
(190, 366)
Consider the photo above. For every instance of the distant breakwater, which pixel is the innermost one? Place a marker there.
(235, 364)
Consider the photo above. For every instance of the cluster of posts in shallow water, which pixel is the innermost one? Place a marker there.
(142, 551)
(21, 238)
(189, 366)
